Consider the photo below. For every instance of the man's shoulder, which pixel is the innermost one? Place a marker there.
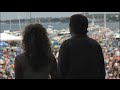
(93, 41)
(67, 41)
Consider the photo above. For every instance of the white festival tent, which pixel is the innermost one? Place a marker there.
(8, 37)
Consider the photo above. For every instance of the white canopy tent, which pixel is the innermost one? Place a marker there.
(8, 37)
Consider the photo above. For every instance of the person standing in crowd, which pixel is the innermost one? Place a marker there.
(115, 42)
(1, 75)
(18, 50)
(12, 54)
(80, 57)
(37, 60)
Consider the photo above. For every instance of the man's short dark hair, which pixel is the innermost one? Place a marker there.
(78, 24)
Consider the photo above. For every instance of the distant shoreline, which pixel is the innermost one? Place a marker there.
(98, 18)
(56, 25)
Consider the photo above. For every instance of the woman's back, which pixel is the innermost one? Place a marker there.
(37, 61)
(25, 71)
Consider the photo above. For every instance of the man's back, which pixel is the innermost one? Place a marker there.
(81, 58)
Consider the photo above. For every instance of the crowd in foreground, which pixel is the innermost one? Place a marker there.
(7, 59)
(110, 47)
(111, 51)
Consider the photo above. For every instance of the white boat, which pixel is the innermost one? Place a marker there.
(9, 37)
(64, 31)
(7, 31)
(92, 26)
(50, 29)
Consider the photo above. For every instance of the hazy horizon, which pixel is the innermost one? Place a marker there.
(23, 15)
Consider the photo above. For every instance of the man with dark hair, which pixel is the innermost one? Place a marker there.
(80, 57)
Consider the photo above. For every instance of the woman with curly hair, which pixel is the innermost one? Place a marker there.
(37, 60)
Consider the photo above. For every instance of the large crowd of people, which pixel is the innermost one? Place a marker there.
(111, 51)
(7, 58)
(110, 48)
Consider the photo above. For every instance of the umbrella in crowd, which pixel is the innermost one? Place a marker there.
(3, 44)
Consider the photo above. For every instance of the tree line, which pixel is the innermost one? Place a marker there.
(110, 17)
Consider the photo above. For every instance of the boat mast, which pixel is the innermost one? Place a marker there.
(84, 13)
(35, 19)
(39, 20)
(0, 22)
(26, 19)
(104, 19)
(19, 20)
(119, 23)
(93, 20)
(10, 25)
(30, 17)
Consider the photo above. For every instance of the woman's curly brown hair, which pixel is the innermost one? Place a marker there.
(36, 45)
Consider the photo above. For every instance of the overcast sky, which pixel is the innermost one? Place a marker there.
(15, 15)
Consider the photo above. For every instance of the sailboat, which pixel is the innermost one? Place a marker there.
(10, 25)
(5, 31)
(19, 22)
(19, 31)
(104, 20)
(105, 23)
(39, 20)
(36, 20)
(92, 26)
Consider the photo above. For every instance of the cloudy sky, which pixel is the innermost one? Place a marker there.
(15, 15)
